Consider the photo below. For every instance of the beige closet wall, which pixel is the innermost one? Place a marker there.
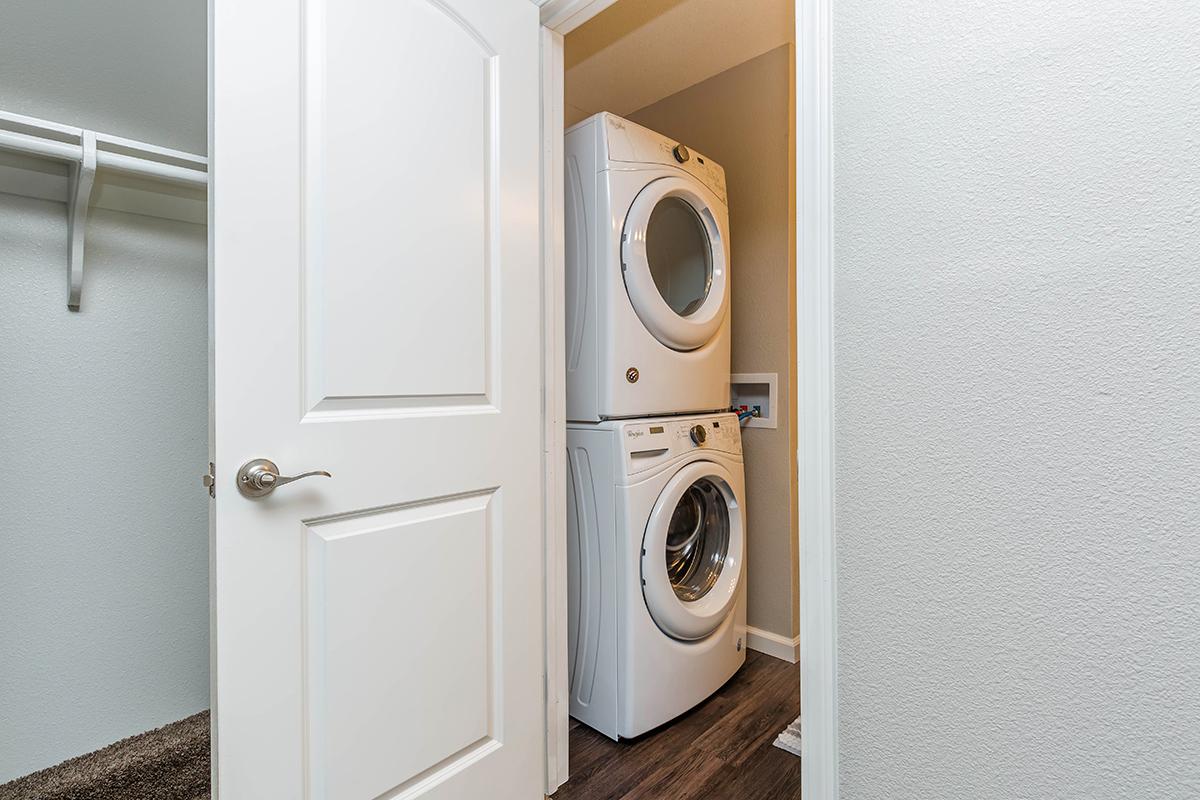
(742, 119)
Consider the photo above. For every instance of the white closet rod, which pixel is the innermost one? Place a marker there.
(85, 151)
(37, 137)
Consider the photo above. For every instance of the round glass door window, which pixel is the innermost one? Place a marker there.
(679, 255)
(697, 540)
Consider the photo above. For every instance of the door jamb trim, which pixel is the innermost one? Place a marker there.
(815, 400)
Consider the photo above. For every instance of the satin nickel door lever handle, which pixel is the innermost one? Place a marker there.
(260, 477)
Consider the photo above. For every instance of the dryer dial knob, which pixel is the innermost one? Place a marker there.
(698, 434)
(681, 153)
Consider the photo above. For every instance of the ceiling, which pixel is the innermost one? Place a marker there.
(637, 52)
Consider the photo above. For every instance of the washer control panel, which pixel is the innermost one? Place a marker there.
(650, 442)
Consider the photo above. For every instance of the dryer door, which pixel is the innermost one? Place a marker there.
(692, 551)
(674, 253)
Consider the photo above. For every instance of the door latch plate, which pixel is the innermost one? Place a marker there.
(210, 480)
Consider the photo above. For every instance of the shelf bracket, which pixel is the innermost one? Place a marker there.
(79, 194)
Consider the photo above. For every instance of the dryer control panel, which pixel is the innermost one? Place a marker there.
(647, 443)
(629, 142)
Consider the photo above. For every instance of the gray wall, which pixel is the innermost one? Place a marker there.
(741, 118)
(103, 524)
(134, 68)
(103, 414)
(1017, 334)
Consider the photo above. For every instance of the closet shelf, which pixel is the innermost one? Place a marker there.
(84, 152)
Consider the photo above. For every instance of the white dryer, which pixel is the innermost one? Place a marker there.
(656, 551)
(647, 274)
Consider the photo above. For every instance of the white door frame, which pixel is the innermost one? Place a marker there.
(814, 399)
(814, 396)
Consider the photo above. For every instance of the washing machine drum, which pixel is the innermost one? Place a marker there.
(692, 551)
(673, 258)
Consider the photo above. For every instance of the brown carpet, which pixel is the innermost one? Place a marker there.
(168, 763)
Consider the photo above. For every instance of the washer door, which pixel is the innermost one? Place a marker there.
(673, 261)
(692, 551)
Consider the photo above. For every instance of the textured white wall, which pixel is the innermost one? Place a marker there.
(133, 68)
(103, 523)
(1017, 325)
(104, 413)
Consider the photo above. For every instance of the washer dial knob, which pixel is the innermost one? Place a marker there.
(698, 434)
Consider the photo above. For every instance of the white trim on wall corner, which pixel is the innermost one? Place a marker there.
(554, 371)
(772, 644)
(815, 410)
(564, 16)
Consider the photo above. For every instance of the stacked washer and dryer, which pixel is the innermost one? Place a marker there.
(655, 506)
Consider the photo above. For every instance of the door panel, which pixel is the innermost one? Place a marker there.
(388, 570)
(370, 143)
(376, 300)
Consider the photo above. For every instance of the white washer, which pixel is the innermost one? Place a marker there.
(656, 552)
(647, 274)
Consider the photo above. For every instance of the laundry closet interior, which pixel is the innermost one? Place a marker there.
(106, 385)
(679, 290)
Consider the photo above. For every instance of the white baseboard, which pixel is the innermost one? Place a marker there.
(773, 644)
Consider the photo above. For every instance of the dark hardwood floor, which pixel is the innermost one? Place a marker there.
(720, 750)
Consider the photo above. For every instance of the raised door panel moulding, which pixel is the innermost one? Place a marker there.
(363, 571)
(437, 294)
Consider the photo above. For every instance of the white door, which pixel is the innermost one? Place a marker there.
(375, 229)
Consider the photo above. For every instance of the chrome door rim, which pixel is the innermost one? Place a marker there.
(675, 616)
(677, 331)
